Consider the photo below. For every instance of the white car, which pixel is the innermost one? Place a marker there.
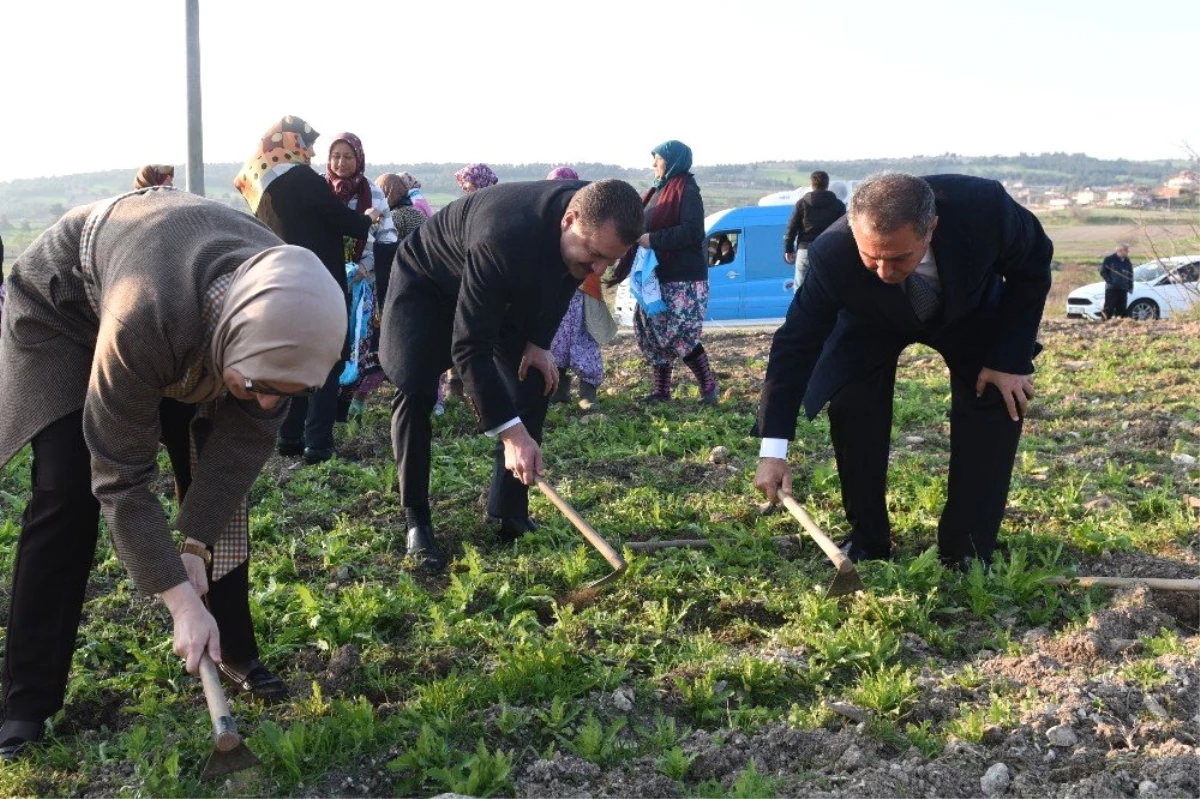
(1160, 288)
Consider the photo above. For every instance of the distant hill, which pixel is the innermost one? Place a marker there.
(28, 206)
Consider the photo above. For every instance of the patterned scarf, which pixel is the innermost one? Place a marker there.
(474, 177)
(286, 143)
(355, 186)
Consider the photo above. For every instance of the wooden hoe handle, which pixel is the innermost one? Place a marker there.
(611, 555)
(831, 550)
(225, 734)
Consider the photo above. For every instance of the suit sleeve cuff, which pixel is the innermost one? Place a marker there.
(773, 448)
(495, 431)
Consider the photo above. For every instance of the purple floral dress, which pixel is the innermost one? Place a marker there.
(573, 346)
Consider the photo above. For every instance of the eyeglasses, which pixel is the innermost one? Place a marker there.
(255, 388)
(350, 157)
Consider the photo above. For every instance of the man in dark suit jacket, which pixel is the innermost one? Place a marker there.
(483, 285)
(949, 261)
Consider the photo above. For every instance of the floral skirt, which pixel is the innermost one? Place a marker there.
(675, 332)
(573, 346)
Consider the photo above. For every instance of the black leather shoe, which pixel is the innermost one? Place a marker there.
(16, 735)
(510, 528)
(423, 548)
(963, 563)
(313, 456)
(255, 679)
(858, 554)
(289, 447)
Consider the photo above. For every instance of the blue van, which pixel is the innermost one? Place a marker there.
(755, 285)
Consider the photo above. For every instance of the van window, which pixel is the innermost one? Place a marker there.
(723, 247)
(765, 253)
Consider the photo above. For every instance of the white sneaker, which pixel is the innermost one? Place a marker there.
(439, 409)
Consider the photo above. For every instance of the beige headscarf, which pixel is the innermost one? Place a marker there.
(395, 188)
(283, 320)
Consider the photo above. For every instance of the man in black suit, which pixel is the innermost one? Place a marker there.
(483, 285)
(949, 261)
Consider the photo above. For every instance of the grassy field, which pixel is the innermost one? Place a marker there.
(721, 672)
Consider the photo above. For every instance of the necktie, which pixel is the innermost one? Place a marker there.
(924, 298)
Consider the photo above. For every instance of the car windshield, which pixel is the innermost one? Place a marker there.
(1148, 272)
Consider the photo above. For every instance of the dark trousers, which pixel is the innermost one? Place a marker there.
(310, 419)
(1115, 303)
(384, 255)
(412, 441)
(54, 558)
(228, 599)
(983, 446)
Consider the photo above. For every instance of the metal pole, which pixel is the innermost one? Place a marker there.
(195, 163)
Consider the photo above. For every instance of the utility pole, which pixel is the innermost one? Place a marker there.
(195, 162)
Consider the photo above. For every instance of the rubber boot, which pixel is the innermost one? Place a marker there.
(587, 395)
(563, 392)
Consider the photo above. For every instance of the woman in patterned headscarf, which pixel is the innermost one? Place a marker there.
(587, 324)
(284, 191)
(415, 194)
(405, 215)
(675, 231)
(346, 175)
(473, 177)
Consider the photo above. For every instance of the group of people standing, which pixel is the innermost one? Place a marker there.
(172, 319)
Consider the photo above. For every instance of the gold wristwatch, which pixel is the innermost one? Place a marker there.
(199, 550)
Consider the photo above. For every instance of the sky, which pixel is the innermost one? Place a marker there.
(94, 86)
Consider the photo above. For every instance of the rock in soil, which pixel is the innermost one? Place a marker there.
(995, 780)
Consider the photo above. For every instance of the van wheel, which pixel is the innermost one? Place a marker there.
(1143, 310)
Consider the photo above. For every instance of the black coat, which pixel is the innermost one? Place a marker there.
(1117, 273)
(302, 209)
(482, 277)
(814, 212)
(844, 322)
(680, 248)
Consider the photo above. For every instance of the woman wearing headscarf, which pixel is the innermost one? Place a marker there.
(154, 175)
(405, 216)
(675, 232)
(284, 191)
(416, 195)
(587, 324)
(346, 175)
(151, 295)
(473, 177)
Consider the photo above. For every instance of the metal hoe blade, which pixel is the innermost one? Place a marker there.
(847, 580)
(221, 763)
(229, 753)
